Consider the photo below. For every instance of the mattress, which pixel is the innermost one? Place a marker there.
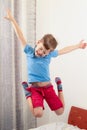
(56, 126)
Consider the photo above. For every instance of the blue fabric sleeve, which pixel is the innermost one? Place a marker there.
(54, 53)
(28, 49)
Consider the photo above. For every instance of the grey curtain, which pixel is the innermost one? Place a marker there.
(14, 110)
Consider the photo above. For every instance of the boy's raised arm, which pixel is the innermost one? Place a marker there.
(80, 45)
(16, 27)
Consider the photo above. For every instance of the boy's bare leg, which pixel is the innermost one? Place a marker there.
(60, 95)
(37, 112)
(29, 101)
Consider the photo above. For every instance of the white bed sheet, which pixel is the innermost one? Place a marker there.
(56, 126)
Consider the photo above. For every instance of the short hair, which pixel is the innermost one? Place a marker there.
(49, 41)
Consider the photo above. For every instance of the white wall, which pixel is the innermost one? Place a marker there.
(67, 21)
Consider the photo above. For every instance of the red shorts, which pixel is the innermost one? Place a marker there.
(47, 92)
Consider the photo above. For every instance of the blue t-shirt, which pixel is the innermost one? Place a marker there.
(38, 67)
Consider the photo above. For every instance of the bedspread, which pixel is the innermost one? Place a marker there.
(56, 126)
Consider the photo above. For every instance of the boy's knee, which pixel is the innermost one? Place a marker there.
(38, 113)
(59, 111)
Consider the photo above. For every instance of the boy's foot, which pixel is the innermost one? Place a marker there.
(25, 86)
(59, 84)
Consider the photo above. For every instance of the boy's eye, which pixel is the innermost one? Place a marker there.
(44, 52)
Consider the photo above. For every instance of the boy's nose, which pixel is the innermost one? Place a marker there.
(41, 52)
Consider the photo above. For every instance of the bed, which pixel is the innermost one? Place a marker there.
(77, 120)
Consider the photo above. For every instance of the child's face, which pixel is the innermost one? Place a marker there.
(41, 51)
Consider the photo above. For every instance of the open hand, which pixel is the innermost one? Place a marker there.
(82, 44)
(9, 15)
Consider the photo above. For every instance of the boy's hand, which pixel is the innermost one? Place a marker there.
(9, 15)
(82, 44)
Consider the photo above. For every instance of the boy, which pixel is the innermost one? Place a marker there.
(38, 60)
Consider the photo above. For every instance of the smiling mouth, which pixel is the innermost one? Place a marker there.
(37, 54)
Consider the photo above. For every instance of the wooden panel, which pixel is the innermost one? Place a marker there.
(78, 117)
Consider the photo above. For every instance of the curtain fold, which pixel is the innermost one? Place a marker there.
(14, 110)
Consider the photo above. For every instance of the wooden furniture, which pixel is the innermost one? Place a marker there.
(78, 117)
